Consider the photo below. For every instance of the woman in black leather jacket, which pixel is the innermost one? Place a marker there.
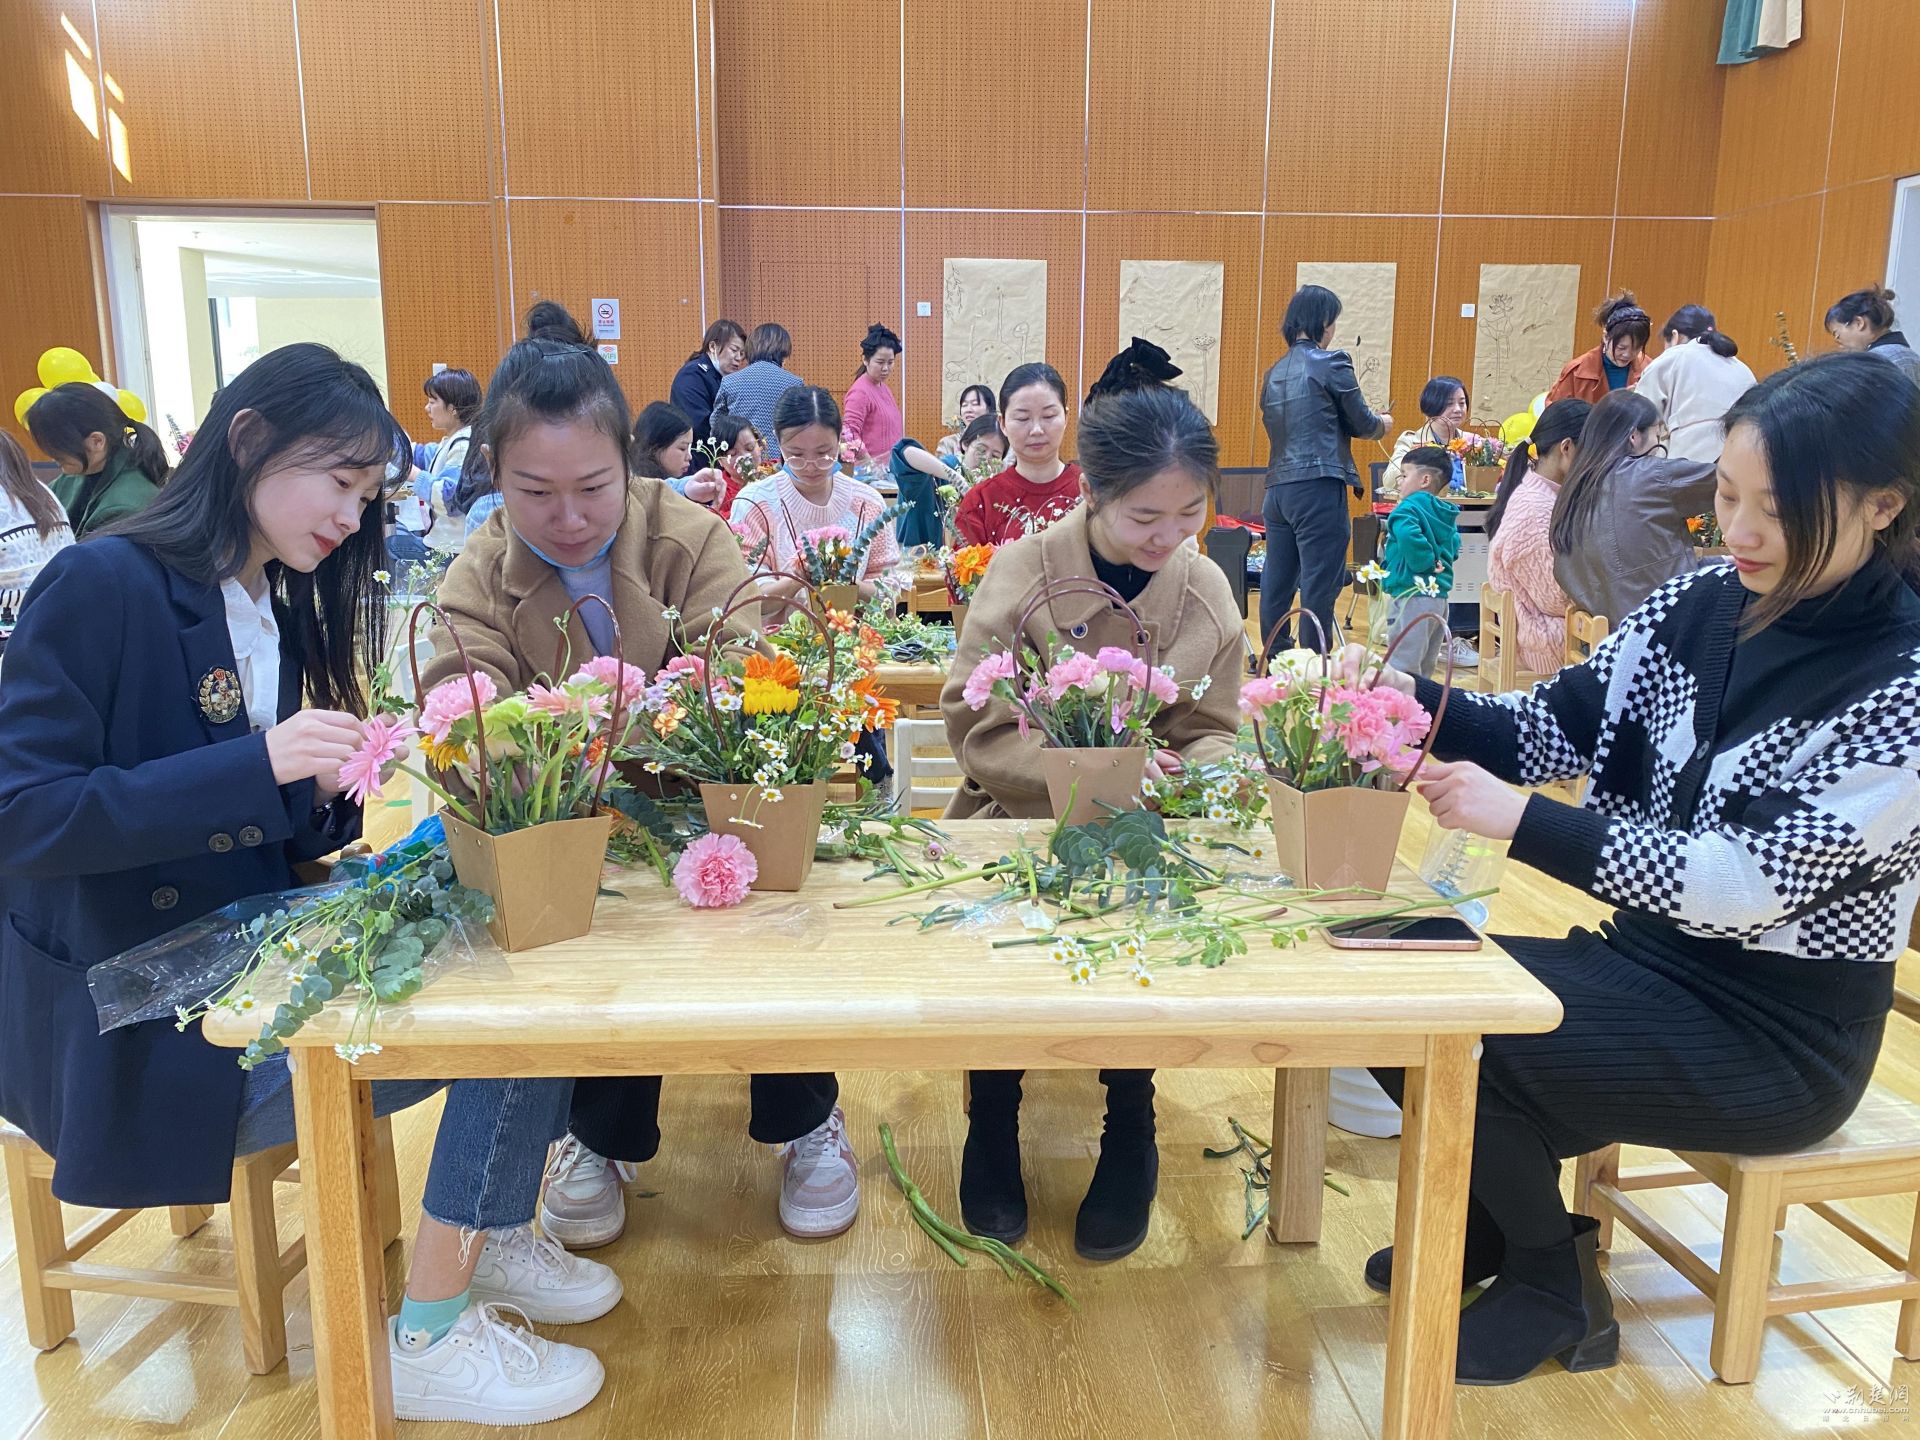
(1313, 411)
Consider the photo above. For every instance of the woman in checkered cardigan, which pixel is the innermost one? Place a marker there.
(1752, 736)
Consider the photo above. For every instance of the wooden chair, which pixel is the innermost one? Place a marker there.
(52, 1263)
(1584, 634)
(922, 757)
(1499, 643)
(1877, 1152)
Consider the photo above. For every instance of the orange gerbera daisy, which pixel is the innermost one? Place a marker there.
(780, 670)
(881, 709)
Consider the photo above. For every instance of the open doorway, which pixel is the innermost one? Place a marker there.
(198, 295)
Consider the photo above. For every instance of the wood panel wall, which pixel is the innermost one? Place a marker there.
(700, 157)
(1812, 141)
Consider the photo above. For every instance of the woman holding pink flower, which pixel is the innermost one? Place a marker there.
(555, 428)
(1150, 466)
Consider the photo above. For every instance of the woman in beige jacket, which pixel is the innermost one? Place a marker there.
(1150, 464)
(573, 522)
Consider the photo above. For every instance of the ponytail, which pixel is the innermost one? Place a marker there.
(1559, 422)
(61, 420)
(1695, 322)
(149, 456)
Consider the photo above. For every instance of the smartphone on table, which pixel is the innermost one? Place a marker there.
(1404, 932)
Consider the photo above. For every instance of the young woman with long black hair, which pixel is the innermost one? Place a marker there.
(112, 466)
(159, 766)
(1752, 739)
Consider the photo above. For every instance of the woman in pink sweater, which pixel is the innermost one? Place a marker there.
(1519, 555)
(873, 425)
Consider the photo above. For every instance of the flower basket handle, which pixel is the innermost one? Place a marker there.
(736, 602)
(619, 710)
(1266, 649)
(1142, 642)
(1446, 683)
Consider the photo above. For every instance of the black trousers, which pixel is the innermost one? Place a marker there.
(618, 1116)
(1128, 1091)
(1718, 1051)
(1308, 533)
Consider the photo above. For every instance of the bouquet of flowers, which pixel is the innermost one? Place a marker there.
(1472, 449)
(831, 555)
(963, 570)
(1704, 531)
(1078, 700)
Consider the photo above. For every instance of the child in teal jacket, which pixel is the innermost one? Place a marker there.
(1423, 541)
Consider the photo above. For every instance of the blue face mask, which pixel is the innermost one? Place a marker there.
(598, 556)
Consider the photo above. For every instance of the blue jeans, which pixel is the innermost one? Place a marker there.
(1307, 537)
(487, 1159)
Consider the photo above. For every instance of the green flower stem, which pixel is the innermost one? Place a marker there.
(952, 1240)
(998, 867)
(454, 804)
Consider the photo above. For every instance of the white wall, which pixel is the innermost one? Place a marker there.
(353, 325)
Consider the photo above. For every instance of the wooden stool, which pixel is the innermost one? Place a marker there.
(1499, 644)
(1877, 1152)
(51, 1267)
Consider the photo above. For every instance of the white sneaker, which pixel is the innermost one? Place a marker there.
(583, 1205)
(819, 1184)
(544, 1282)
(1465, 656)
(486, 1371)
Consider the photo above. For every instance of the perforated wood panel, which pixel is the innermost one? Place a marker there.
(1536, 105)
(1407, 242)
(414, 129)
(825, 275)
(975, 138)
(213, 98)
(1775, 122)
(1465, 245)
(1232, 240)
(931, 240)
(644, 255)
(1203, 140)
(1761, 262)
(1673, 109)
(809, 103)
(45, 142)
(1664, 262)
(46, 292)
(1874, 133)
(1855, 232)
(1352, 138)
(599, 97)
(439, 291)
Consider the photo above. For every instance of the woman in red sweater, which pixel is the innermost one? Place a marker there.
(871, 422)
(1038, 487)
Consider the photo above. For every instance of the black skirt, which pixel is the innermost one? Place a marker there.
(1688, 1045)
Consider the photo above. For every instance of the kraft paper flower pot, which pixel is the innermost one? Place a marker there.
(1483, 479)
(959, 619)
(1095, 776)
(543, 879)
(844, 598)
(1337, 839)
(782, 834)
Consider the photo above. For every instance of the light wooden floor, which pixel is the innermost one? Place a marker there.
(730, 1329)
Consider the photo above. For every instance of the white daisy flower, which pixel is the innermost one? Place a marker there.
(1080, 972)
(1142, 976)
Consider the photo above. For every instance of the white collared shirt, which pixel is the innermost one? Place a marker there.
(256, 651)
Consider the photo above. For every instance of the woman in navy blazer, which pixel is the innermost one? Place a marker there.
(157, 766)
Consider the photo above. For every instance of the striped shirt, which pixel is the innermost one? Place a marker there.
(752, 393)
(784, 516)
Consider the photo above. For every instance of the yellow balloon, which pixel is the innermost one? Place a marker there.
(25, 402)
(1516, 427)
(1539, 404)
(64, 366)
(133, 407)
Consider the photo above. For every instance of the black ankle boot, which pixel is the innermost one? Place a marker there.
(1480, 1263)
(1551, 1302)
(1114, 1217)
(993, 1198)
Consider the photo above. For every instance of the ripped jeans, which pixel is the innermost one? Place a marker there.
(488, 1157)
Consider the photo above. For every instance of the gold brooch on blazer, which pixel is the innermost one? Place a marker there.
(220, 698)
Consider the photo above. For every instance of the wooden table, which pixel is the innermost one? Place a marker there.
(917, 684)
(786, 984)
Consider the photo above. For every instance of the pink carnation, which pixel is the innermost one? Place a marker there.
(825, 534)
(684, 665)
(1160, 685)
(1116, 661)
(452, 700)
(979, 686)
(1260, 693)
(631, 680)
(1076, 672)
(715, 871)
(552, 702)
(381, 740)
(1380, 728)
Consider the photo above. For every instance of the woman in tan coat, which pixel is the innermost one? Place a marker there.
(1150, 465)
(573, 522)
